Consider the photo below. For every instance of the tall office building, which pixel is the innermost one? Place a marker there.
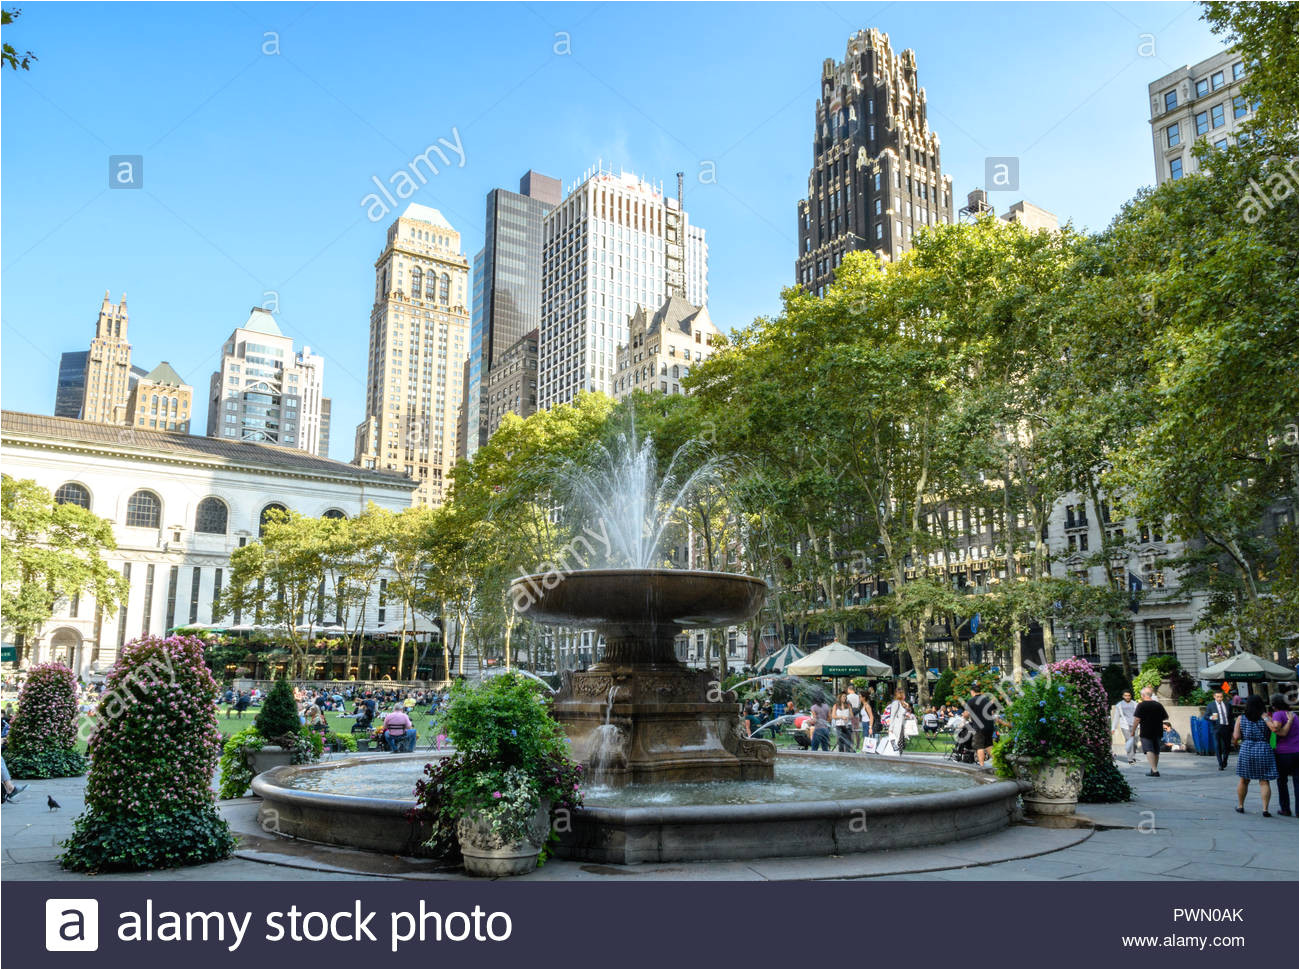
(507, 288)
(419, 343)
(511, 386)
(697, 266)
(614, 244)
(160, 401)
(876, 177)
(266, 392)
(71, 387)
(1203, 100)
(108, 366)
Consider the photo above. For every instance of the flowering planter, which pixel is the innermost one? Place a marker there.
(1056, 785)
(486, 854)
(270, 756)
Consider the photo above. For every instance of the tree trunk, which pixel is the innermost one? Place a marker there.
(401, 649)
(1017, 653)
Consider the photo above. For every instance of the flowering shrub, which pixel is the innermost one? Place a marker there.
(1102, 781)
(511, 757)
(43, 738)
(1044, 723)
(149, 800)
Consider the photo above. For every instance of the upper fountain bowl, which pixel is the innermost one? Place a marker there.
(638, 597)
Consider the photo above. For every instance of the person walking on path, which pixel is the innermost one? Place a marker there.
(1219, 713)
(1255, 761)
(1150, 716)
(1121, 719)
(855, 702)
(1286, 752)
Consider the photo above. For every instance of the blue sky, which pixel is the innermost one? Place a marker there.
(256, 164)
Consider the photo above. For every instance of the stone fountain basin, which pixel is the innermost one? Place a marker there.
(638, 597)
(676, 833)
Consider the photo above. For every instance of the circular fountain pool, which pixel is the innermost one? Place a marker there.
(817, 804)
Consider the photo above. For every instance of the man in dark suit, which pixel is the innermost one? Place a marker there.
(1219, 713)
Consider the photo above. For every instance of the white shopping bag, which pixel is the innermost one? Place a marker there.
(869, 745)
(888, 746)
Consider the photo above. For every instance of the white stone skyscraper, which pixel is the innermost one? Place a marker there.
(264, 391)
(419, 346)
(614, 244)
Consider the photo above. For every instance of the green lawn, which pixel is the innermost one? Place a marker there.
(229, 725)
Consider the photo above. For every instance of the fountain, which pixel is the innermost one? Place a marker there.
(673, 776)
(639, 715)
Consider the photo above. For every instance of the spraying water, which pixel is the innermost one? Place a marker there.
(623, 490)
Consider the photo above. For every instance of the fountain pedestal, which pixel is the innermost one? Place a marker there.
(673, 724)
(640, 716)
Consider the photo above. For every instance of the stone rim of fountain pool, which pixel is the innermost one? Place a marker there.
(680, 833)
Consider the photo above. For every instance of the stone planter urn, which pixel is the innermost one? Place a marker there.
(1056, 785)
(270, 756)
(486, 855)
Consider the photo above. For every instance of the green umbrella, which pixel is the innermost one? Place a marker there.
(837, 660)
(1247, 667)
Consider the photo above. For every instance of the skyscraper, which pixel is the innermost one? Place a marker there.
(876, 177)
(614, 244)
(507, 287)
(108, 366)
(71, 387)
(419, 342)
(264, 391)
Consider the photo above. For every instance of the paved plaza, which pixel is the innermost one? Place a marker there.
(1179, 826)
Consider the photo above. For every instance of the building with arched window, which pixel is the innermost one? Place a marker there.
(419, 347)
(180, 505)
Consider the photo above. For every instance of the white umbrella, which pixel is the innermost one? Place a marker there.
(1247, 666)
(837, 660)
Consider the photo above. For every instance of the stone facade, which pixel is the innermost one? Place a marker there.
(108, 366)
(876, 176)
(419, 343)
(1203, 100)
(161, 401)
(180, 505)
(662, 346)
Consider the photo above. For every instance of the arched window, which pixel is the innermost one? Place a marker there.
(70, 493)
(334, 514)
(429, 282)
(444, 289)
(211, 517)
(416, 282)
(273, 507)
(144, 510)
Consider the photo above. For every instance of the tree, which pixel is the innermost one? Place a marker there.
(51, 551)
(42, 742)
(12, 58)
(278, 717)
(1267, 35)
(149, 797)
(281, 576)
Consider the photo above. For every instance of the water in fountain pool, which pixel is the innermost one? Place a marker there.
(797, 780)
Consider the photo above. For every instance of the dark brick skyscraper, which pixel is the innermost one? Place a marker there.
(876, 177)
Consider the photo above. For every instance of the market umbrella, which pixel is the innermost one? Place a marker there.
(777, 662)
(1248, 667)
(837, 660)
(930, 675)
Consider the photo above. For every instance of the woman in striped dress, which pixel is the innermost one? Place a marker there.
(1255, 761)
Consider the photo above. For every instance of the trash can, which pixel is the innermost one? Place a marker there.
(1203, 735)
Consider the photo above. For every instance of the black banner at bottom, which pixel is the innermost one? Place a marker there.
(100, 923)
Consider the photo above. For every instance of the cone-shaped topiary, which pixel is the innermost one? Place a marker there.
(43, 739)
(278, 717)
(149, 798)
(1102, 781)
